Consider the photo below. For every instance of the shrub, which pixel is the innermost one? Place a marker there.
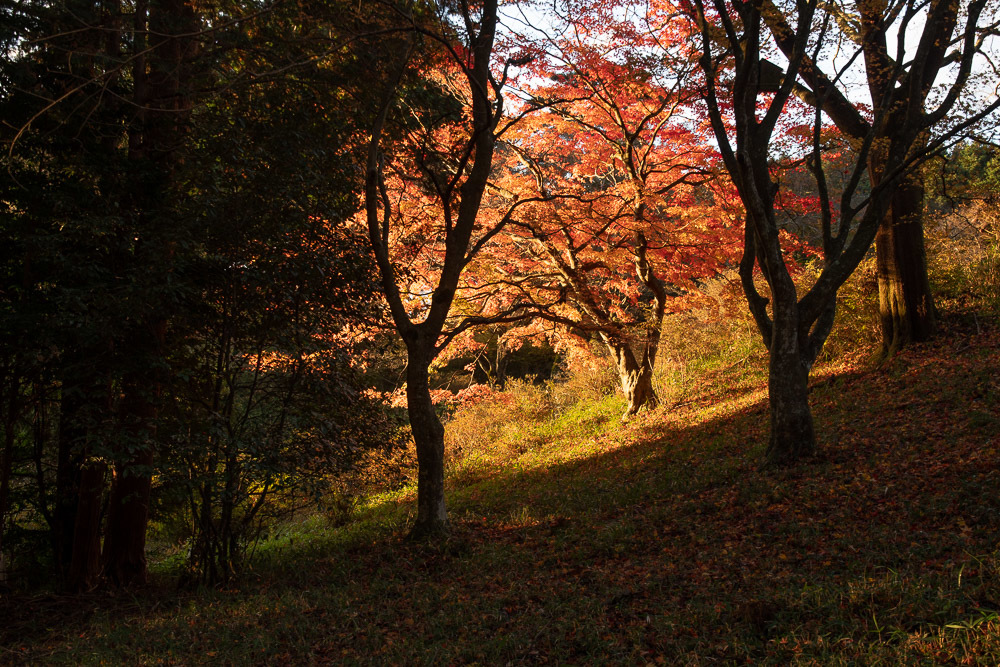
(963, 253)
(856, 329)
(586, 381)
(495, 429)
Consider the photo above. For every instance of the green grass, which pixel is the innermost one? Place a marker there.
(577, 539)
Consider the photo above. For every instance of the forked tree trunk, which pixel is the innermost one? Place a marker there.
(906, 305)
(636, 379)
(636, 375)
(638, 388)
(422, 338)
(428, 437)
(905, 301)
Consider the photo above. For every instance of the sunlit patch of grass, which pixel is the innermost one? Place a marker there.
(526, 430)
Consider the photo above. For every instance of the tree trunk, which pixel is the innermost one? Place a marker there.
(465, 200)
(12, 384)
(164, 103)
(80, 476)
(228, 532)
(428, 437)
(85, 566)
(203, 551)
(128, 509)
(638, 388)
(636, 379)
(906, 306)
(71, 442)
(792, 436)
(128, 515)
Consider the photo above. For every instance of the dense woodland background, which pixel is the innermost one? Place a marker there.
(542, 331)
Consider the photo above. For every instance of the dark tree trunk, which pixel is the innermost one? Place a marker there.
(80, 476)
(128, 516)
(906, 305)
(12, 385)
(228, 546)
(203, 550)
(428, 437)
(792, 437)
(85, 565)
(72, 436)
(161, 76)
(790, 360)
(128, 508)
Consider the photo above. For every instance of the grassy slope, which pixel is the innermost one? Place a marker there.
(581, 540)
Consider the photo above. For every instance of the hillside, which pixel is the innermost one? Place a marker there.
(577, 539)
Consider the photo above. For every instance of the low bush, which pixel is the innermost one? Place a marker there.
(963, 253)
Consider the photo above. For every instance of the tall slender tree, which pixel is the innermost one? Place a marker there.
(430, 159)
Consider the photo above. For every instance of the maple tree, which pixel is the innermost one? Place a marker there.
(794, 328)
(429, 163)
(630, 218)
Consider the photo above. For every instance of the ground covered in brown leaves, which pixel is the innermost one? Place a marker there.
(661, 541)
